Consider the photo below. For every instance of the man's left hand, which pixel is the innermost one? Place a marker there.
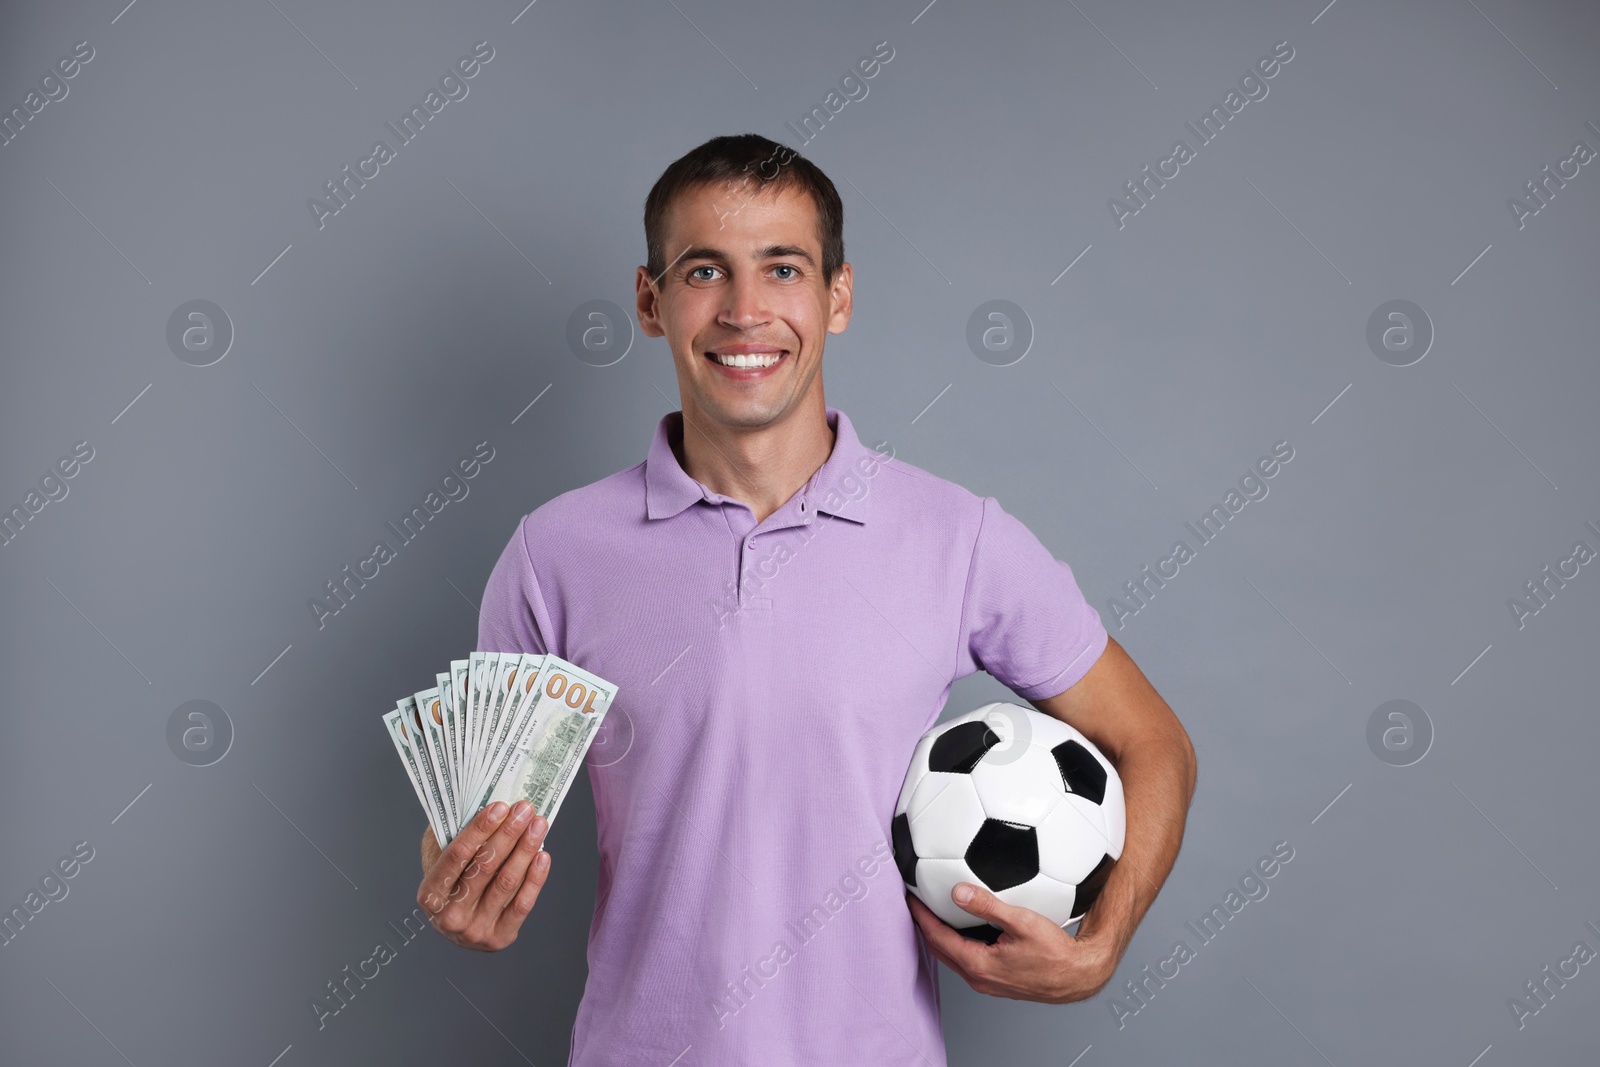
(1034, 959)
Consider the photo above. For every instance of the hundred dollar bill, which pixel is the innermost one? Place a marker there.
(458, 689)
(413, 734)
(520, 691)
(431, 711)
(526, 697)
(428, 762)
(503, 680)
(448, 729)
(448, 702)
(571, 704)
(480, 680)
(391, 721)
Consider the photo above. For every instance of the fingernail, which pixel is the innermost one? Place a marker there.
(542, 862)
(521, 812)
(963, 893)
(538, 827)
(496, 811)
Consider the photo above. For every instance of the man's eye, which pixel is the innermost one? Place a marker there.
(699, 277)
(793, 271)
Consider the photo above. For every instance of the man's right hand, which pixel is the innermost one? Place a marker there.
(479, 889)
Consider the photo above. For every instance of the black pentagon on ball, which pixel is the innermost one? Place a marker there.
(905, 856)
(1080, 770)
(1089, 888)
(959, 748)
(1003, 854)
(986, 933)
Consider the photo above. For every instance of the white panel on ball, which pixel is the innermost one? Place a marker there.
(1049, 731)
(945, 813)
(1021, 786)
(1051, 898)
(935, 879)
(1072, 839)
(1115, 813)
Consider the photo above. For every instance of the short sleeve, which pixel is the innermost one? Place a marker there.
(1024, 619)
(513, 617)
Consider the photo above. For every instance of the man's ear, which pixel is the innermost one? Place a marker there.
(647, 305)
(841, 294)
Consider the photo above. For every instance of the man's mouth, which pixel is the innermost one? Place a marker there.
(753, 359)
(747, 357)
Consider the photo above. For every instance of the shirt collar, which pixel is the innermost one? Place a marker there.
(838, 488)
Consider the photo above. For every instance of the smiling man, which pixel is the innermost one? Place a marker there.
(784, 611)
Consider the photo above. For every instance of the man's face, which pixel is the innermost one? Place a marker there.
(744, 279)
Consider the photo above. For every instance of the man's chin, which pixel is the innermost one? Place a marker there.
(742, 417)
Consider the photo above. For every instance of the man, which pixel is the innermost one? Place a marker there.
(784, 611)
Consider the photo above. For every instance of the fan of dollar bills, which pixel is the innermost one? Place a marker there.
(498, 726)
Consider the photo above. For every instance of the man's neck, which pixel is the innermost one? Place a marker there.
(761, 468)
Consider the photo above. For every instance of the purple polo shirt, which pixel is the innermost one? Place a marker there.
(773, 679)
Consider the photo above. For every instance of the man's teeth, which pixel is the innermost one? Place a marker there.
(753, 359)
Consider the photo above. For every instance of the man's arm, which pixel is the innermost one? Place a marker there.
(1117, 708)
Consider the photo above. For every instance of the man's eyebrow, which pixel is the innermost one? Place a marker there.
(785, 252)
(769, 252)
(701, 252)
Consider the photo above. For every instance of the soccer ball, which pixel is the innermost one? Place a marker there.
(1013, 800)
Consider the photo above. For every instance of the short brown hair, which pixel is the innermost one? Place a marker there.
(758, 164)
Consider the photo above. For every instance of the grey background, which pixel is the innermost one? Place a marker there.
(1229, 314)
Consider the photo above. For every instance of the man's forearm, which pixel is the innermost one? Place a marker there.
(1117, 708)
(1157, 783)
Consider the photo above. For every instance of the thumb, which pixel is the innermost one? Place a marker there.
(978, 901)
